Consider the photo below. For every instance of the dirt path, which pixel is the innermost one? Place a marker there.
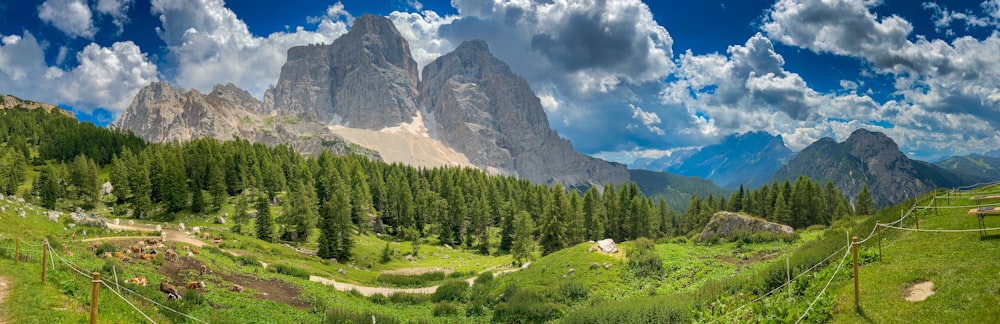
(4, 290)
(172, 235)
(368, 291)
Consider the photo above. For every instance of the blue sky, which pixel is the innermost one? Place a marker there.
(620, 78)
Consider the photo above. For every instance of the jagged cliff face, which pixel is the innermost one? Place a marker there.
(869, 158)
(366, 79)
(482, 109)
(161, 113)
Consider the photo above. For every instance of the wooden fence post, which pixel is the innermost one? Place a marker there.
(916, 216)
(94, 291)
(17, 249)
(878, 232)
(45, 257)
(857, 294)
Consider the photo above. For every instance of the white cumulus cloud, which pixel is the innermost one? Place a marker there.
(72, 17)
(208, 44)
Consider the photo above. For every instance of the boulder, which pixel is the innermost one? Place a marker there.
(220, 220)
(607, 246)
(107, 188)
(724, 224)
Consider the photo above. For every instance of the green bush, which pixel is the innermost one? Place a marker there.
(247, 261)
(378, 299)
(340, 315)
(408, 298)
(397, 280)
(644, 261)
(445, 309)
(527, 306)
(105, 247)
(451, 291)
(289, 271)
(636, 310)
(573, 291)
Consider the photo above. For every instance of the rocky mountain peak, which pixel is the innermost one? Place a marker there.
(484, 110)
(11, 102)
(365, 79)
(741, 159)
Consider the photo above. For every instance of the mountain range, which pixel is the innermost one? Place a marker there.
(748, 159)
(874, 159)
(467, 108)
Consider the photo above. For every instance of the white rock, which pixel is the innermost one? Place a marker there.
(607, 246)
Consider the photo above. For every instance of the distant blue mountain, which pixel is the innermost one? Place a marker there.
(664, 162)
(748, 159)
(993, 153)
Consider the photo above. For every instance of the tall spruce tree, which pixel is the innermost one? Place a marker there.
(524, 244)
(265, 227)
(865, 203)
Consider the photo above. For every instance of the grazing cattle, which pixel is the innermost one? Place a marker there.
(205, 235)
(119, 255)
(196, 285)
(171, 255)
(195, 250)
(108, 255)
(148, 256)
(94, 246)
(237, 288)
(218, 240)
(169, 289)
(152, 241)
(138, 280)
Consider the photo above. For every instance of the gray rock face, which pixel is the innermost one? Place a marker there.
(161, 113)
(366, 79)
(483, 110)
(724, 224)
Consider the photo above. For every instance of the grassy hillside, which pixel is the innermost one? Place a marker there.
(963, 267)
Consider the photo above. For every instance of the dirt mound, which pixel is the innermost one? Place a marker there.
(919, 291)
(273, 289)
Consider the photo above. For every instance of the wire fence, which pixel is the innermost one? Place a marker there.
(822, 291)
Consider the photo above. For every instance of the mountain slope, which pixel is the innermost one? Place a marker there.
(675, 189)
(481, 108)
(664, 162)
(975, 165)
(872, 158)
(11, 102)
(743, 159)
(161, 113)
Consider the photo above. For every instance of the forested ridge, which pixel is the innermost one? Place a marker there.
(330, 198)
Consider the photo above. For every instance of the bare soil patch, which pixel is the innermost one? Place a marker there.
(4, 290)
(172, 235)
(272, 289)
(756, 257)
(919, 291)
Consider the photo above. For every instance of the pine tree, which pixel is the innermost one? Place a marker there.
(197, 198)
(523, 245)
(240, 214)
(553, 231)
(264, 228)
(865, 202)
(507, 228)
(119, 178)
(593, 211)
(217, 184)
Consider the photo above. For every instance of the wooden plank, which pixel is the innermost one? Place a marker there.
(984, 211)
(977, 198)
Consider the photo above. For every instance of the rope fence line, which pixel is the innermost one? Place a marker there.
(983, 184)
(127, 302)
(828, 282)
(941, 230)
(164, 307)
(786, 283)
(75, 268)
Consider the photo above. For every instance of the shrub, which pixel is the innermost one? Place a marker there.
(408, 298)
(247, 261)
(573, 291)
(644, 262)
(527, 306)
(378, 299)
(340, 315)
(635, 310)
(289, 271)
(396, 280)
(445, 309)
(451, 291)
(106, 247)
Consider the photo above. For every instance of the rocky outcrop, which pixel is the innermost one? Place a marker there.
(365, 79)
(11, 102)
(482, 109)
(161, 113)
(725, 224)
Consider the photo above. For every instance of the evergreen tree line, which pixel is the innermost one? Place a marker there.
(799, 204)
(337, 197)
